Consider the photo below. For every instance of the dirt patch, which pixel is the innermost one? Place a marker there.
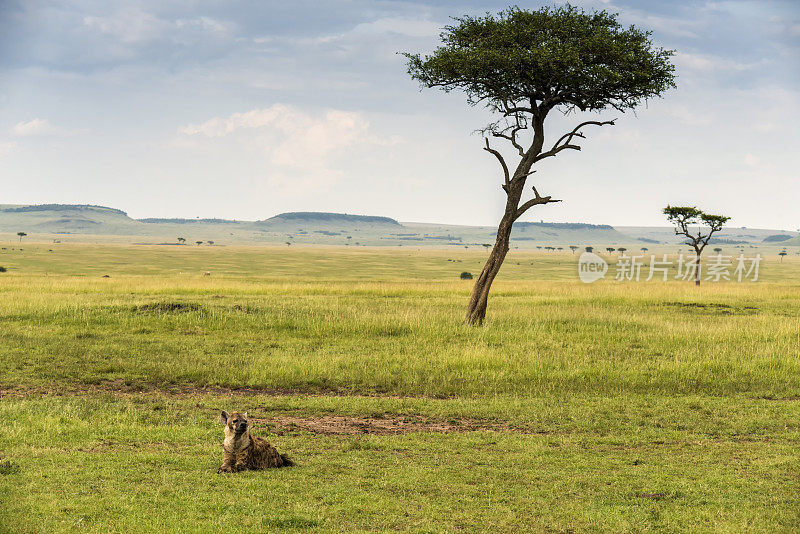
(714, 308)
(697, 304)
(332, 425)
(652, 496)
(246, 309)
(168, 307)
(775, 398)
(7, 467)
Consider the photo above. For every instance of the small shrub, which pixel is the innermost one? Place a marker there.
(7, 467)
(466, 276)
(2, 269)
(169, 307)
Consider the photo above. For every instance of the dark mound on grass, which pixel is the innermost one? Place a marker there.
(169, 307)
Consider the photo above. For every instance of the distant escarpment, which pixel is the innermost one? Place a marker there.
(318, 216)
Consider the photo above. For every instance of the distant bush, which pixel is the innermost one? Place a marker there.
(776, 238)
(466, 276)
(2, 269)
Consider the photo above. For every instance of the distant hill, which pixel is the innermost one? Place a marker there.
(66, 219)
(60, 207)
(793, 242)
(318, 216)
(82, 222)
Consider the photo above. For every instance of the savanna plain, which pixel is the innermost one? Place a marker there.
(605, 407)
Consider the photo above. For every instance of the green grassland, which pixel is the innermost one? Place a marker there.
(609, 407)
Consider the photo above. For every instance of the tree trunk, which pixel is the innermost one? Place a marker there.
(514, 186)
(476, 310)
(697, 270)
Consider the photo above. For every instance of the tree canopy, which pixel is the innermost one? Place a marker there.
(683, 216)
(554, 57)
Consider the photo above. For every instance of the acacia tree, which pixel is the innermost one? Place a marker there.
(21, 235)
(682, 217)
(524, 65)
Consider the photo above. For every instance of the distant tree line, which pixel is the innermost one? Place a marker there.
(565, 226)
(186, 221)
(54, 207)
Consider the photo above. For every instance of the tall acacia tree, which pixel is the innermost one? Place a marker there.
(684, 216)
(523, 65)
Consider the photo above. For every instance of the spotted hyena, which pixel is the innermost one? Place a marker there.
(241, 451)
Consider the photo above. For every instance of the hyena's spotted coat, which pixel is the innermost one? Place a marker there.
(241, 451)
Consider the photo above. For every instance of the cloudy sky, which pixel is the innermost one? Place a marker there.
(243, 110)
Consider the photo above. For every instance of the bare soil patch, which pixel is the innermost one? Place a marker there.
(380, 426)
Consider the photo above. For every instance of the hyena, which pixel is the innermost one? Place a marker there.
(241, 451)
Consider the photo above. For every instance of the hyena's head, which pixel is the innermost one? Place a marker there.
(235, 422)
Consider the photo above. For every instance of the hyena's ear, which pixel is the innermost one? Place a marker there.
(245, 415)
(223, 417)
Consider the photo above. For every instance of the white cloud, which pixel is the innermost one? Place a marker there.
(129, 26)
(706, 62)
(42, 128)
(206, 24)
(688, 116)
(403, 26)
(134, 26)
(7, 147)
(751, 160)
(676, 27)
(34, 127)
(300, 147)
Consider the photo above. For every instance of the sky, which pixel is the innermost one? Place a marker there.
(246, 109)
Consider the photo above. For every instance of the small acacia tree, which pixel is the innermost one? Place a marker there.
(684, 216)
(523, 66)
(21, 235)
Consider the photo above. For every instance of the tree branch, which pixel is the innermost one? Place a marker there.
(502, 163)
(567, 138)
(535, 201)
(512, 138)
